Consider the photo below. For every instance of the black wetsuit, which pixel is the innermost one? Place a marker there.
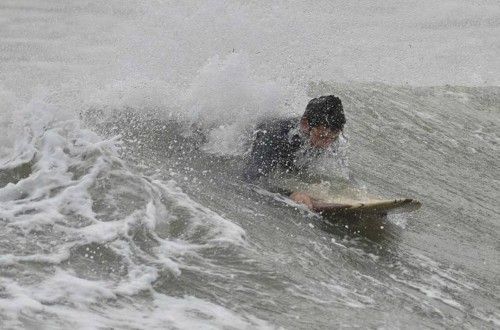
(274, 148)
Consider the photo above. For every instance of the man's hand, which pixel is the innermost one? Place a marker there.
(302, 198)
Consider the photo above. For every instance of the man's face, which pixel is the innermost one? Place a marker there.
(322, 137)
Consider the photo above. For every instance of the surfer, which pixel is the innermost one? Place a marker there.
(284, 145)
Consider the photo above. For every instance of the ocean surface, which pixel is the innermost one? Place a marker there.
(124, 127)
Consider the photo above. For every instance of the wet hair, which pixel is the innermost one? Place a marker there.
(325, 111)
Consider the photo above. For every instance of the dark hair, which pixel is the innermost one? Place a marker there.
(325, 111)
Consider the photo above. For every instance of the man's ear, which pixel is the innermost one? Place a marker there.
(304, 125)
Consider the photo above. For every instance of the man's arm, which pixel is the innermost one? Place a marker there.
(260, 161)
(263, 159)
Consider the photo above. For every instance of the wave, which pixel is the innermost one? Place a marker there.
(125, 203)
(93, 233)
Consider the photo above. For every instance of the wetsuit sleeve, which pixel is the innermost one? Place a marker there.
(260, 161)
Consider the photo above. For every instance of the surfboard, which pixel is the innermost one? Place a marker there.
(332, 198)
(369, 207)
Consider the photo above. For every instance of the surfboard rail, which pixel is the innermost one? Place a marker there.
(382, 206)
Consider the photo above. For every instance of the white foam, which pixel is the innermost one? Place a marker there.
(53, 213)
(219, 230)
(66, 299)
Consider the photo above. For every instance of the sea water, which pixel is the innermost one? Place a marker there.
(123, 131)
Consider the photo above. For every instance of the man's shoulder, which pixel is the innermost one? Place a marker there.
(274, 143)
(277, 127)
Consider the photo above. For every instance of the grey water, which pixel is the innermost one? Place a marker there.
(124, 131)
